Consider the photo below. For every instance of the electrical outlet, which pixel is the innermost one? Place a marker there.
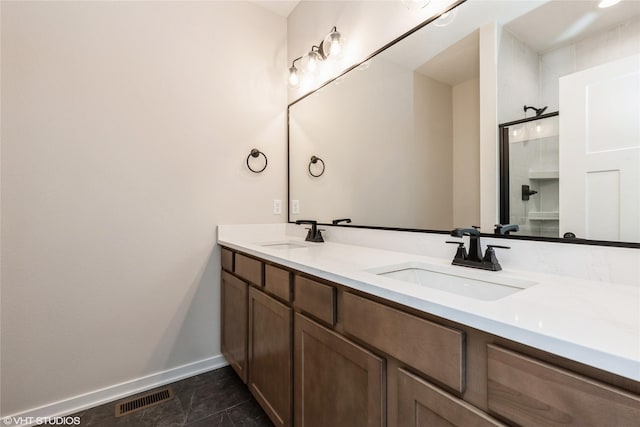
(295, 207)
(277, 206)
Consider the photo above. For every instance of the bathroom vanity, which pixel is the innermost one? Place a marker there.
(335, 334)
(322, 335)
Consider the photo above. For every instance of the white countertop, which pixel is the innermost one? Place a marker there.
(594, 323)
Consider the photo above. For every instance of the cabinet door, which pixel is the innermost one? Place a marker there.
(234, 300)
(270, 356)
(421, 404)
(337, 383)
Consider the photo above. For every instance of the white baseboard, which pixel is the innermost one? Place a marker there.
(118, 391)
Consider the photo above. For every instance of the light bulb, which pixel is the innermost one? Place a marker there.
(607, 3)
(294, 80)
(332, 44)
(311, 61)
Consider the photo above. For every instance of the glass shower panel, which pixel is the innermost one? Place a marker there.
(533, 177)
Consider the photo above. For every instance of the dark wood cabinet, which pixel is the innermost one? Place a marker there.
(318, 353)
(226, 259)
(421, 404)
(234, 293)
(277, 281)
(434, 349)
(337, 383)
(250, 269)
(532, 393)
(270, 356)
(315, 299)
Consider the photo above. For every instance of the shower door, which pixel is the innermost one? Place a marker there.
(529, 175)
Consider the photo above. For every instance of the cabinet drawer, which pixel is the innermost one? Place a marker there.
(433, 349)
(421, 404)
(316, 299)
(227, 259)
(533, 393)
(278, 282)
(249, 269)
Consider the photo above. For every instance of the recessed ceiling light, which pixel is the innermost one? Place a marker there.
(607, 3)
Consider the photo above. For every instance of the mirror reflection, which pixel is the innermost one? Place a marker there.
(405, 136)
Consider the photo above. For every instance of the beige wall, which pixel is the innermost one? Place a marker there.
(466, 153)
(386, 140)
(125, 128)
(433, 159)
(360, 181)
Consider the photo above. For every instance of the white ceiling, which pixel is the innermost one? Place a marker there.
(279, 7)
(542, 24)
(457, 64)
(568, 21)
(414, 52)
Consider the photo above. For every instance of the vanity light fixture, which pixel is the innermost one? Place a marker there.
(607, 3)
(330, 46)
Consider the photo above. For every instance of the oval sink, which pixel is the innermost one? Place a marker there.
(482, 285)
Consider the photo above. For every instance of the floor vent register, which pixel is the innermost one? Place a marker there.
(144, 401)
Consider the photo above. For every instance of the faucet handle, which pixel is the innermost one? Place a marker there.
(309, 234)
(315, 237)
(498, 246)
(490, 257)
(461, 253)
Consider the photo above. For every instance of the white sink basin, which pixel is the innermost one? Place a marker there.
(283, 245)
(477, 284)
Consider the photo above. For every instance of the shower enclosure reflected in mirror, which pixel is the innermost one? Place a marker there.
(402, 138)
(529, 175)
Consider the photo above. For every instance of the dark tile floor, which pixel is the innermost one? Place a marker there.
(213, 399)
